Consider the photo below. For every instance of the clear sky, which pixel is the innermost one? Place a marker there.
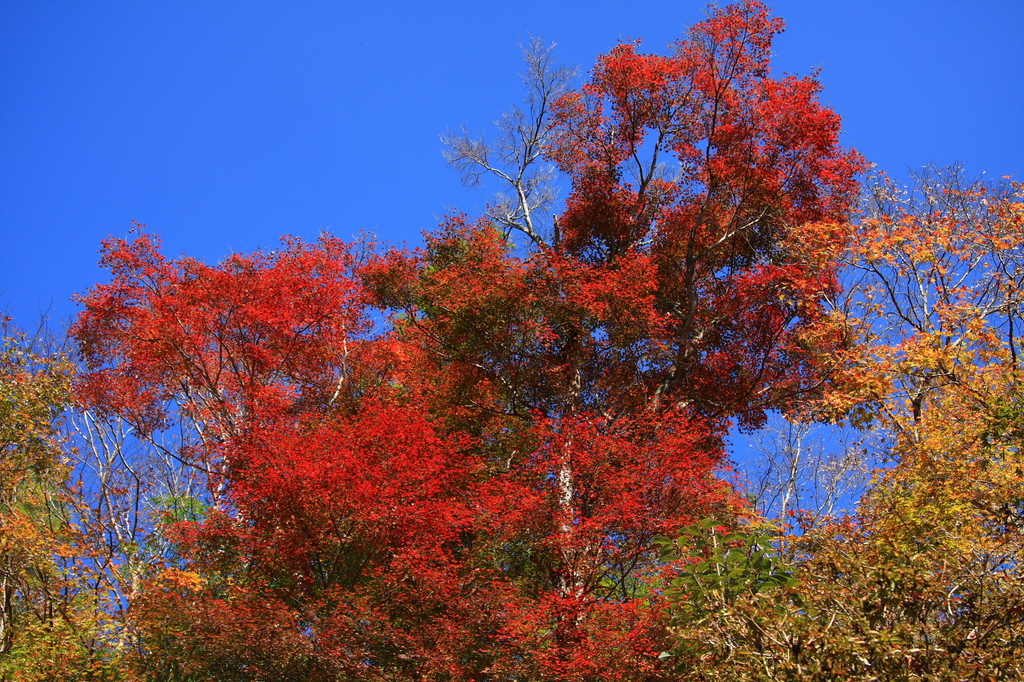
(223, 125)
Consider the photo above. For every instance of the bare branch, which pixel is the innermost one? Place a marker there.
(527, 191)
(819, 469)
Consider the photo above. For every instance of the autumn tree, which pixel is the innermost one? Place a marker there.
(54, 622)
(923, 580)
(33, 393)
(475, 490)
(941, 266)
(683, 284)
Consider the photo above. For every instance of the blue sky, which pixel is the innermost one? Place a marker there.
(223, 125)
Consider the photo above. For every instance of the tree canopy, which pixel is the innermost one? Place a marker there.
(502, 456)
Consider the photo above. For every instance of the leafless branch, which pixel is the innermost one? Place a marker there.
(528, 191)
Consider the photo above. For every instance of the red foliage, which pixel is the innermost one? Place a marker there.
(283, 328)
(356, 531)
(475, 491)
(749, 159)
